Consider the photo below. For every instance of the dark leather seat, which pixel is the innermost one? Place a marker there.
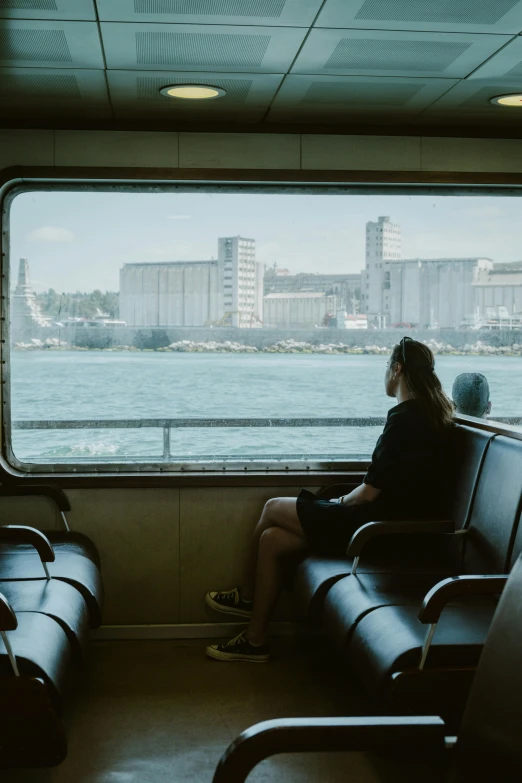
(487, 746)
(56, 599)
(316, 574)
(42, 650)
(66, 540)
(76, 570)
(64, 543)
(489, 547)
(390, 639)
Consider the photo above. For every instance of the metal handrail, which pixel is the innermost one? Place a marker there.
(168, 424)
(183, 423)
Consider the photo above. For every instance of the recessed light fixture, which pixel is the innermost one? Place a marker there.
(508, 100)
(192, 92)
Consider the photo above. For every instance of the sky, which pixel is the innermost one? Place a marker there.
(79, 241)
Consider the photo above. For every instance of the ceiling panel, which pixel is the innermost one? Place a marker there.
(297, 13)
(474, 16)
(351, 94)
(142, 89)
(72, 10)
(46, 44)
(473, 96)
(505, 65)
(395, 53)
(38, 86)
(201, 47)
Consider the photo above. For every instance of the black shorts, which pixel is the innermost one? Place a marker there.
(328, 526)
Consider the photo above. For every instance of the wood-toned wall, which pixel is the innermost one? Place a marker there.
(258, 151)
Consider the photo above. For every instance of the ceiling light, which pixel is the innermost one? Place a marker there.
(508, 100)
(192, 92)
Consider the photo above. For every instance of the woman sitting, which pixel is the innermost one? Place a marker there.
(404, 481)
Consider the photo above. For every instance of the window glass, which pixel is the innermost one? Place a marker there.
(180, 330)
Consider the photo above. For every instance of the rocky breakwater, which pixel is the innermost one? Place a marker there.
(477, 348)
(188, 346)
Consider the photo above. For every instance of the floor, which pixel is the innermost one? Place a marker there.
(159, 711)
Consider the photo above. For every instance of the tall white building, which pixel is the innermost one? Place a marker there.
(383, 244)
(242, 281)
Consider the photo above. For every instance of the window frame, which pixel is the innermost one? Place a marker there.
(26, 179)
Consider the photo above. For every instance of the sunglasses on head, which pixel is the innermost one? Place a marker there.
(404, 342)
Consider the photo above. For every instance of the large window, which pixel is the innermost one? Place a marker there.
(190, 329)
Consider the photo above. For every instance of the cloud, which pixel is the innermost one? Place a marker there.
(179, 217)
(51, 234)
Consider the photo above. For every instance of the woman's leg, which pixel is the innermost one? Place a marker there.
(275, 544)
(278, 512)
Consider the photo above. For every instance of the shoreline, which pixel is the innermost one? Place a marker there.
(478, 348)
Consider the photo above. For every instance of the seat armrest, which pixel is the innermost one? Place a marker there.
(373, 529)
(456, 587)
(28, 535)
(305, 735)
(54, 493)
(8, 621)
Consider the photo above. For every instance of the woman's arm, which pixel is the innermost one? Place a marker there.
(364, 493)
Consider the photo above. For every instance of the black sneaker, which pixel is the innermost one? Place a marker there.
(239, 649)
(229, 602)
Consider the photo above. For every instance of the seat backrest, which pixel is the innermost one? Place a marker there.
(469, 448)
(496, 508)
(488, 745)
(516, 549)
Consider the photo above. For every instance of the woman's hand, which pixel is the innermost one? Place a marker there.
(364, 493)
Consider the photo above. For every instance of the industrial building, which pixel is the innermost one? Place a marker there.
(498, 289)
(302, 310)
(170, 293)
(431, 291)
(195, 293)
(347, 287)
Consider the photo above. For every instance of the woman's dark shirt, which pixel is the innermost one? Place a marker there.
(409, 464)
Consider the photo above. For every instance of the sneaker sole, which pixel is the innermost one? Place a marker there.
(225, 609)
(224, 656)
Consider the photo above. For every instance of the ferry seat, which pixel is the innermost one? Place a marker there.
(389, 631)
(29, 556)
(414, 555)
(34, 645)
(487, 744)
(66, 540)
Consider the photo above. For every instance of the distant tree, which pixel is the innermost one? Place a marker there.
(79, 304)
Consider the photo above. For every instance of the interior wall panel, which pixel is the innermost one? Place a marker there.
(361, 152)
(116, 148)
(137, 534)
(239, 150)
(26, 148)
(453, 154)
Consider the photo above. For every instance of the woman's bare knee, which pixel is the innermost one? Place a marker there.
(270, 511)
